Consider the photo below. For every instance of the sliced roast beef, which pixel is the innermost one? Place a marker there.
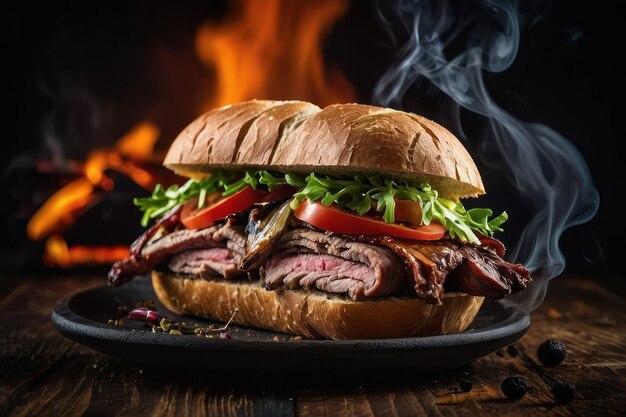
(308, 258)
(304, 257)
(471, 269)
(492, 243)
(429, 263)
(478, 275)
(164, 224)
(158, 251)
(477, 281)
(205, 263)
(485, 273)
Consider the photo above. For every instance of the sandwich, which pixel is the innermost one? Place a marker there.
(341, 223)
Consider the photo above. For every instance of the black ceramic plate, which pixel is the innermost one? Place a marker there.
(82, 317)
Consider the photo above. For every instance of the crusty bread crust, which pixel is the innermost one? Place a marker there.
(211, 140)
(314, 314)
(339, 139)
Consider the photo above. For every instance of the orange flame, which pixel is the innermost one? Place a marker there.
(58, 254)
(60, 210)
(272, 49)
(138, 143)
(268, 49)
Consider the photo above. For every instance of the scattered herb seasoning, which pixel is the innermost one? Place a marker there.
(165, 324)
(121, 312)
(563, 391)
(514, 387)
(211, 332)
(145, 312)
(551, 352)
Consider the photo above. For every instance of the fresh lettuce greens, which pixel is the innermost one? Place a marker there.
(163, 200)
(359, 194)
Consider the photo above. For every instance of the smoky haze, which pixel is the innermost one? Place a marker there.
(451, 46)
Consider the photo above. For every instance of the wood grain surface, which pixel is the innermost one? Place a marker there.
(42, 373)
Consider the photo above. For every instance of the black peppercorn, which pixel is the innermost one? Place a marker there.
(500, 352)
(563, 391)
(514, 387)
(551, 352)
(513, 351)
(465, 385)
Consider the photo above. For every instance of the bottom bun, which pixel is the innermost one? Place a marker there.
(314, 314)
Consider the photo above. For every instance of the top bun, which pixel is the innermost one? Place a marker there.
(344, 139)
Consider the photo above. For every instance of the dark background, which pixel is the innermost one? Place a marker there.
(568, 75)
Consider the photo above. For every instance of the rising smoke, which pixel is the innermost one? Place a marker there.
(544, 167)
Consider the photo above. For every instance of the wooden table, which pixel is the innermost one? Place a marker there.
(42, 373)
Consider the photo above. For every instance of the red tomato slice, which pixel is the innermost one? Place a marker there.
(280, 192)
(336, 220)
(193, 218)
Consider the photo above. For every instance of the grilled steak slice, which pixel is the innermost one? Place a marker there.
(475, 270)
(165, 224)
(205, 263)
(308, 258)
(429, 263)
(485, 273)
(159, 251)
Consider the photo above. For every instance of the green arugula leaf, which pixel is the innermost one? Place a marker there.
(270, 181)
(359, 193)
(163, 200)
(250, 178)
